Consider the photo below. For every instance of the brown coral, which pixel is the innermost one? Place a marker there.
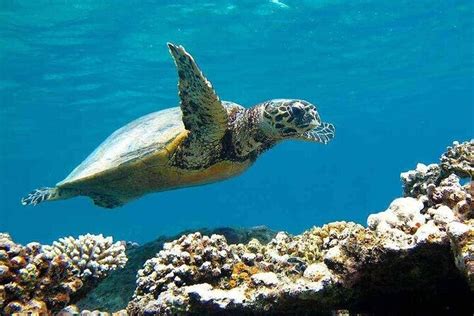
(459, 159)
(241, 273)
(32, 281)
(36, 281)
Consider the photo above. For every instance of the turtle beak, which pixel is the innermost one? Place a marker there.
(314, 123)
(309, 121)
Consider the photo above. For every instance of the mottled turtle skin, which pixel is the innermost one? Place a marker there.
(202, 141)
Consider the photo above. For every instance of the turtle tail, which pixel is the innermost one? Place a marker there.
(39, 195)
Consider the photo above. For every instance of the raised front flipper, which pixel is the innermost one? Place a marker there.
(203, 113)
(204, 116)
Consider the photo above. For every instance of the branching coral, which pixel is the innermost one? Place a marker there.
(91, 256)
(34, 280)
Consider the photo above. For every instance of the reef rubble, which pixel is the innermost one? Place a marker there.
(415, 257)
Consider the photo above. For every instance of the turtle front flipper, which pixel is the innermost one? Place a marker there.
(204, 115)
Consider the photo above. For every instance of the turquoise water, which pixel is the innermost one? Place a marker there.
(395, 77)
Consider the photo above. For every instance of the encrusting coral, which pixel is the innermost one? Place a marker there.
(37, 279)
(201, 274)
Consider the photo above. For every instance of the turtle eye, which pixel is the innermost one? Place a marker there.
(298, 112)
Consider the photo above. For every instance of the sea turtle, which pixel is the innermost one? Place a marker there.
(202, 141)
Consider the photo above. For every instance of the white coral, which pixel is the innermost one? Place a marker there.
(91, 255)
(398, 223)
(415, 182)
(191, 258)
(429, 233)
(205, 293)
(402, 214)
(461, 236)
(442, 215)
(265, 278)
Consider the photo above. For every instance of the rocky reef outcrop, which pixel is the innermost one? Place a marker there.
(423, 241)
(123, 281)
(44, 279)
(415, 257)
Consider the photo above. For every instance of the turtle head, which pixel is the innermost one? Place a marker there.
(288, 118)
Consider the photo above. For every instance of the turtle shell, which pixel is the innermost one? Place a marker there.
(144, 136)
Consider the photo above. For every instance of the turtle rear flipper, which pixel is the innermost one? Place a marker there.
(106, 201)
(39, 195)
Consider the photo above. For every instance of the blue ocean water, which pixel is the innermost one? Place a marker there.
(395, 77)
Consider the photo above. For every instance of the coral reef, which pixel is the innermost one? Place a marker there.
(36, 279)
(123, 281)
(462, 241)
(32, 281)
(413, 258)
(416, 182)
(91, 256)
(323, 267)
(74, 310)
(457, 162)
(459, 159)
(191, 259)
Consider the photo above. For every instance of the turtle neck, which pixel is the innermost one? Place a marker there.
(246, 137)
